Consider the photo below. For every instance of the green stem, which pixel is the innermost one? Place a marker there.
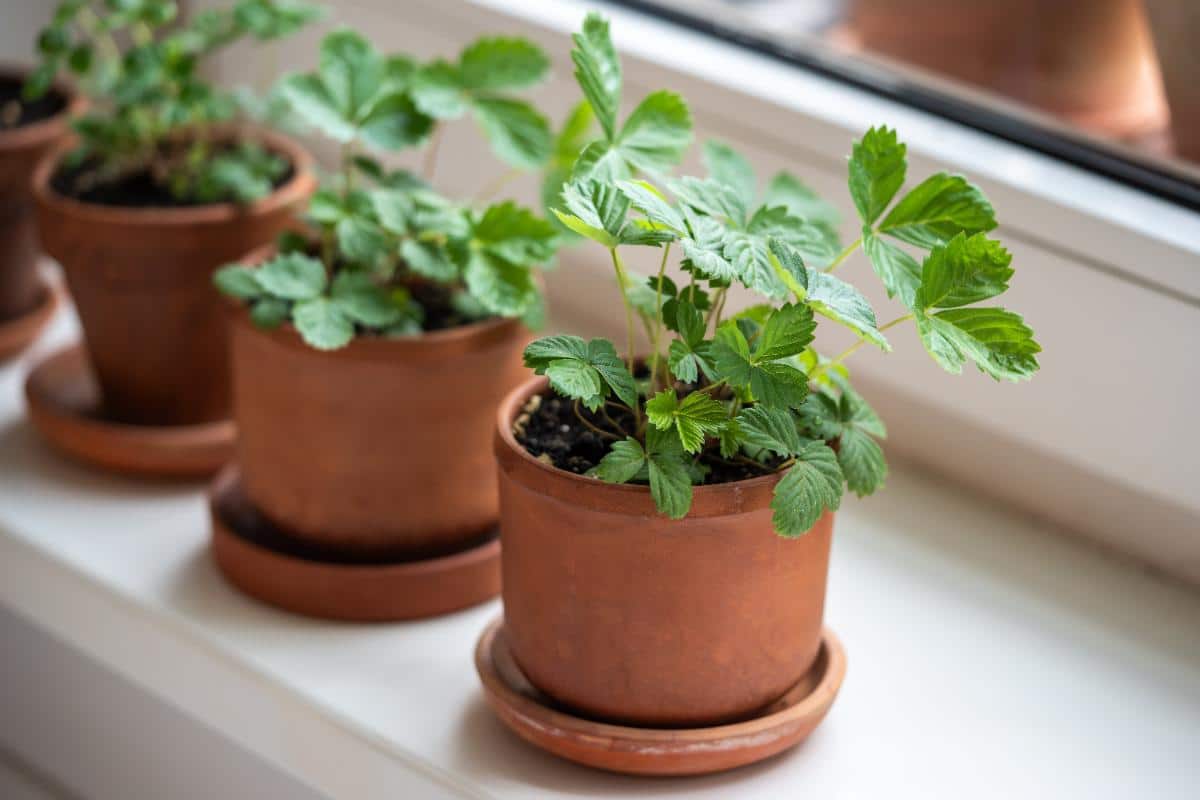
(619, 268)
(842, 256)
(718, 305)
(821, 369)
(347, 169)
(431, 153)
(658, 321)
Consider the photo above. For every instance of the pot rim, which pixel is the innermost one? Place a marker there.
(45, 130)
(297, 187)
(708, 500)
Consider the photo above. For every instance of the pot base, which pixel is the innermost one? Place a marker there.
(19, 332)
(247, 550)
(656, 751)
(66, 409)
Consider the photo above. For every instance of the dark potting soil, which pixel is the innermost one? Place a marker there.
(549, 429)
(15, 112)
(135, 190)
(438, 301)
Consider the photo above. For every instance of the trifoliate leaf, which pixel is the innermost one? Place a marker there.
(652, 140)
(688, 361)
(788, 331)
(937, 209)
(519, 133)
(832, 297)
(599, 210)
(599, 354)
(292, 276)
(705, 248)
(670, 478)
(790, 192)
(862, 462)
(694, 418)
(710, 197)
(965, 270)
(350, 70)
(270, 312)
(502, 63)
(359, 299)
(504, 288)
(647, 199)
(772, 429)
(237, 281)
(900, 272)
(429, 259)
(515, 234)
(853, 410)
(877, 168)
(360, 240)
(322, 324)
(751, 258)
(437, 90)
(730, 168)
(316, 105)
(621, 463)
(577, 379)
(598, 71)
(771, 383)
(393, 123)
(811, 486)
(998, 341)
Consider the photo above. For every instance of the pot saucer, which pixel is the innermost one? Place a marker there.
(264, 563)
(656, 751)
(19, 332)
(65, 407)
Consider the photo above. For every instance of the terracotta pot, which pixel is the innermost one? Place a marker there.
(1088, 61)
(141, 279)
(379, 450)
(626, 616)
(20, 149)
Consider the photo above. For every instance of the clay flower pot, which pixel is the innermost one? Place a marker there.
(141, 279)
(1088, 61)
(378, 451)
(623, 615)
(20, 148)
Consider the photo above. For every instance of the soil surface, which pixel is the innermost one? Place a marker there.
(437, 300)
(15, 112)
(549, 429)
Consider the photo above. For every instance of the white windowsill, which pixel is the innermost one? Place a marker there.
(986, 659)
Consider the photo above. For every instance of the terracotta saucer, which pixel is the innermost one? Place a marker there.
(264, 563)
(65, 407)
(19, 332)
(656, 751)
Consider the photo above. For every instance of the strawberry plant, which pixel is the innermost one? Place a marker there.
(388, 254)
(724, 396)
(151, 113)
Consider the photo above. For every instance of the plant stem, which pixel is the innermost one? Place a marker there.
(347, 168)
(431, 154)
(842, 256)
(590, 426)
(655, 340)
(718, 305)
(712, 387)
(619, 268)
(852, 349)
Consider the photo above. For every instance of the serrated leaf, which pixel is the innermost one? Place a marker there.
(711, 198)
(772, 429)
(705, 248)
(428, 259)
(900, 272)
(577, 379)
(652, 140)
(694, 418)
(322, 324)
(790, 192)
(515, 234)
(237, 281)
(350, 70)
(502, 63)
(360, 240)
(730, 168)
(787, 332)
(998, 341)
(832, 297)
(598, 71)
(773, 384)
(670, 478)
(937, 209)
(965, 270)
(394, 122)
(292, 276)
(752, 261)
(503, 287)
(811, 486)
(877, 169)
(314, 103)
(789, 266)
(600, 354)
(621, 463)
(437, 90)
(359, 299)
(270, 312)
(647, 199)
(688, 361)
(600, 207)
(518, 133)
(862, 462)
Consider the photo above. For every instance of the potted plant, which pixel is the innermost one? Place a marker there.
(161, 185)
(28, 128)
(666, 519)
(369, 353)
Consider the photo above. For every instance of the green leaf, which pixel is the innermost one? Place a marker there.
(503, 287)
(351, 71)
(314, 103)
(730, 168)
(360, 240)
(237, 281)
(598, 71)
(599, 354)
(811, 486)
(270, 312)
(998, 341)
(600, 207)
(577, 379)
(965, 270)
(322, 324)
(789, 266)
(877, 168)
(652, 140)
(515, 234)
(438, 91)
(647, 199)
(772, 429)
(705, 248)
(502, 63)
(359, 299)
(519, 133)
(569, 142)
(688, 361)
(621, 463)
(752, 260)
(940, 207)
(292, 276)
(862, 462)
(900, 272)
(800, 201)
(670, 479)
(832, 297)
(428, 259)
(773, 384)
(710, 197)
(788, 331)
(394, 123)
(696, 417)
